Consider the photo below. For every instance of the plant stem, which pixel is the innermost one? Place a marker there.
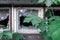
(52, 12)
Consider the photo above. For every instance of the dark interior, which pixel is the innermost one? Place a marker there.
(56, 12)
(4, 22)
(24, 24)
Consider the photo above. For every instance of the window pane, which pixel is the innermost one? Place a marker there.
(56, 12)
(4, 17)
(22, 14)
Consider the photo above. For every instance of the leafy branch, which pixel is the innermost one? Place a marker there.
(49, 2)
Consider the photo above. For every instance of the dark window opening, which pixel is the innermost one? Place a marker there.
(24, 24)
(4, 17)
(56, 12)
(4, 22)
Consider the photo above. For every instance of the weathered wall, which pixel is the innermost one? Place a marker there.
(18, 1)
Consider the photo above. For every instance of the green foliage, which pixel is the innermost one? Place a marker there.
(49, 2)
(47, 38)
(54, 24)
(55, 1)
(9, 35)
(54, 18)
(42, 27)
(56, 35)
(48, 13)
(2, 26)
(53, 28)
(6, 34)
(1, 34)
(18, 36)
(33, 18)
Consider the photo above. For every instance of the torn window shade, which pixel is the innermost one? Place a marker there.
(4, 13)
(4, 17)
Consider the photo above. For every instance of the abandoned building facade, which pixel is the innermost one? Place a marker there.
(13, 12)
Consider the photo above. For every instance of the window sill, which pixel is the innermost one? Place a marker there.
(29, 31)
(1, 30)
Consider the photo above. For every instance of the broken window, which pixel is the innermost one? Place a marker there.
(56, 12)
(22, 14)
(19, 13)
(4, 17)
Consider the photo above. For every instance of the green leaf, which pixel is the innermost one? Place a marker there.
(47, 38)
(27, 19)
(56, 35)
(53, 26)
(36, 20)
(1, 34)
(33, 18)
(40, 1)
(48, 3)
(42, 27)
(55, 1)
(54, 18)
(18, 36)
(8, 34)
(31, 15)
(58, 0)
